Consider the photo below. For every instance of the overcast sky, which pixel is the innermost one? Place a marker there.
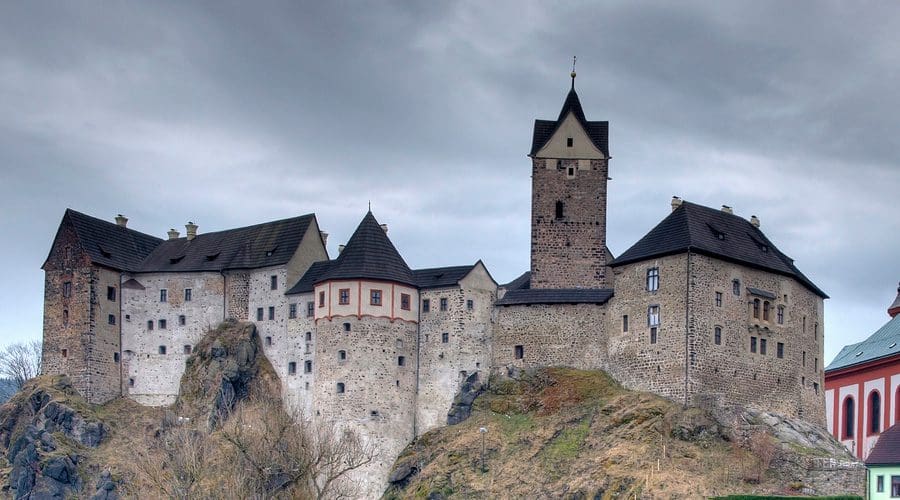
(228, 115)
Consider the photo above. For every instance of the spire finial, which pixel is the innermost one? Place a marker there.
(370, 205)
(574, 58)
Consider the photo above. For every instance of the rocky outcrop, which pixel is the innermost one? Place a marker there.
(462, 402)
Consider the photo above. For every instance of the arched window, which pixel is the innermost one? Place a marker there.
(849, 407)
(874, 412)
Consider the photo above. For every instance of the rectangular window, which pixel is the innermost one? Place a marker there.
(271, 313)
(163, 295)
(111, 293)
(404, 301)
(766, 308)
(341, 388)
(519, 352)
(111, 319)
(273, 282)
(445, 337)
(187, 349)
(780, 315)
(736, 287)
(67, 289)
(149, 324)
(879, 484)
(292, 368)
(182, 320)
(470, 305)
(804, 358)
(570, 142)
(162, 324)
(443, 304)
(375, 297)
(718, 335)
(321, 299)
(309, 336)
(653, 316)
(762, 346)
(187, 294)
(307, 366)
(401, 360)
(816, 365)
(895, 486)
(310, 309)
(779, 349)
(344, 296)
(426, 305)
(752, 344)
(259, 314)
(65, 353)
(625, 324)
(292, 311)
(268, 341)
(653, 334)
(653, 279)
(718, 299)
(162, 349)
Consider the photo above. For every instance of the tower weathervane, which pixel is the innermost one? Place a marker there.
(574, 58)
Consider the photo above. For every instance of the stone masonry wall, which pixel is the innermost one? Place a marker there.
(444, 365)
(568, 252)
(292, 346)
(102, 355)
(551, 335)
(237, 295)
(153, 377)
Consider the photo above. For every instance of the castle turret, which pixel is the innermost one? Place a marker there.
(568, 201)
(895, 307)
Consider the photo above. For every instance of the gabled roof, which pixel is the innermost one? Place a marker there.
(310, 277)
(522, 282)
(556, 296)
(369, 254)
(108, 244)
(716, 233)
(885, 342)
(251, 247)
(440, 277)
(887, 450)
(597, 131)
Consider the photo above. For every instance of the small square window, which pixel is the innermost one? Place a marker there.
(188, 349)
(341, 388)
(310, 309)
(65, 353)
(344, 296)
(426, 305)
(653, 334)
(445, 337)
(162, 349)
(718, 299)
(292, 311)
(570, 142)
(375, 297)
(162, 324)
(342, 355)
(187, 294)
(259, 313)
(443, 303)
(401, 361)
(470, 304)
(268, 341)
(271, 313)
(111, 293)
(131, 382)
(519, 352)
(182, 320)
(163, 295)
(128, 317)
(309, 336)
(273, 282)
(111, 319)
(292, 368)
(149, 324)
(404, 301)
(346, 327)
(307, 366)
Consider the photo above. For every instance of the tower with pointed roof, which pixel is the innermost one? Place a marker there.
(570, 167)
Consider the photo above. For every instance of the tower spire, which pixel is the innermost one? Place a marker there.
(574, 58)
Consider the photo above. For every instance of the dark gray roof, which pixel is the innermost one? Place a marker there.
(369, 254)
(556, 296)
(440, 277)
(716, 233)
(109, 244)
(887, 450)
(597, 131)
(884, 343)
(310, 277)
(761, 293)
(262, 245)
(522, 282)
(894, 308)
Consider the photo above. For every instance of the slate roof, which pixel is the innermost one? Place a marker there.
(440, 277)
(885, 342)
(522, 282)
(760, 293)
(261, 245)
(597, 131)
(109, 244)
(887, 450)
(556, 296)
(310, 277)
(716, 233)
(369, 254)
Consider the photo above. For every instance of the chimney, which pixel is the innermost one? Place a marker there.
(324, 236)
(727, 209)
(895, 307)
(754, 220)
(190, 230)
(121, 220)
(173, 234)
(384, 228)
(341, 249)
(676, 202)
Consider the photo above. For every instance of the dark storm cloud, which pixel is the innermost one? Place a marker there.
(230, 116)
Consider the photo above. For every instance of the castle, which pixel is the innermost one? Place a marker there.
(702, 307)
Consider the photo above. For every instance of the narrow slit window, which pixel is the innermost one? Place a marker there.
(560, 209)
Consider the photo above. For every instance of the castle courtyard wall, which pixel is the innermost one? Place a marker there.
(296, 345)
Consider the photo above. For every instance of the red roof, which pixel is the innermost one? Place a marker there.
(887, 449)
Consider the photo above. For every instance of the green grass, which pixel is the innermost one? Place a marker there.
(567, 444)
(773, 497)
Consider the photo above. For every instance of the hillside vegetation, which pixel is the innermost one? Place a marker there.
(563, 433)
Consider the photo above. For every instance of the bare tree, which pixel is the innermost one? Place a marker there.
(20, 362)
(763, 446)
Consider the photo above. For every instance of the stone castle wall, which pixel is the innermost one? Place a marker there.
(237, 295)
(568, 251)
(296, 345)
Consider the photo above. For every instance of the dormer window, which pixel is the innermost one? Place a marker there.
(212, 257)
